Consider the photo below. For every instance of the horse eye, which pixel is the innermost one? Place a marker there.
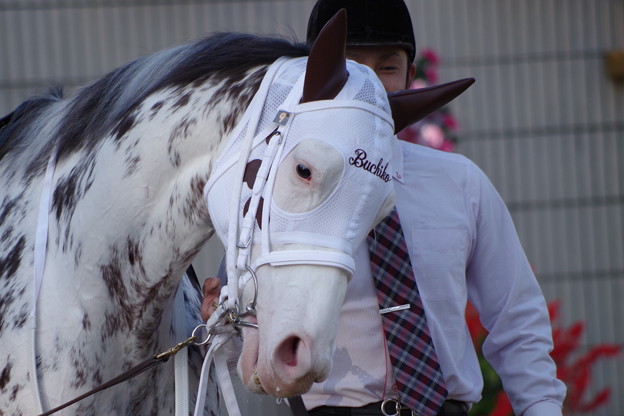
(303, 171)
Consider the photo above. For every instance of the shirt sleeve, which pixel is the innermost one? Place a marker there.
(543, 408)
(503, 288)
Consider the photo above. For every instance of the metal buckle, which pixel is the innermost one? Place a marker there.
(397, 407)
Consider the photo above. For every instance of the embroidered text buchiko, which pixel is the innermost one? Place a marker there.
(360, 161)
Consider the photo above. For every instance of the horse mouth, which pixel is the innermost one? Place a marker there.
(262, 376)
(256, 384)
(248, 361)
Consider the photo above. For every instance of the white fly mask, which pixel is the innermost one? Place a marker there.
(320, 181)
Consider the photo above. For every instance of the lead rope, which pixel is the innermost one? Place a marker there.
(221, 334)
(133, 372)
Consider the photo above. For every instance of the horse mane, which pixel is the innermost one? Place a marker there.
(23, 114)
(103, 106)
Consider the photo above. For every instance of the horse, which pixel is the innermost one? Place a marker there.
(109, 194)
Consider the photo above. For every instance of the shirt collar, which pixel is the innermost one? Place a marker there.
(397, 160)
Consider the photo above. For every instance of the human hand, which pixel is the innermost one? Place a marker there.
(211, 289)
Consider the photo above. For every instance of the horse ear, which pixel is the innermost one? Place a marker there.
(409, 106)
(326, 72)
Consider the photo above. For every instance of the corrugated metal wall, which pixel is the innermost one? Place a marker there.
(543, 121)
(547, 125)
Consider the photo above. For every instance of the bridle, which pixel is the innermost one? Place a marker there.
(228, 317)
(240, 233)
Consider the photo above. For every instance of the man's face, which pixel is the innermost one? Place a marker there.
(390, 63)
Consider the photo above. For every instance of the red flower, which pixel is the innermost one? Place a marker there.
(577, 373)
(573, 369)
(431, 75)
(449, 121)
(477, 332)
(502, 406)
(431, 56)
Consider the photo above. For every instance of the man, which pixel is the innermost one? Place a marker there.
(462, 245)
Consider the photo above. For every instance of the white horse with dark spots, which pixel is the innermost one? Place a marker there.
(108, 195)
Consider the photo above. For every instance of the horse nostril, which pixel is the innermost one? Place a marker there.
(288, 351)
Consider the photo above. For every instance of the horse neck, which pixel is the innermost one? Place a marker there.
(137, 215)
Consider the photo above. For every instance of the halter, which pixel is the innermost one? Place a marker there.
(239, 242)
(262, 124)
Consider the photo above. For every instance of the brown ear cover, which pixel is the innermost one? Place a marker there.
(326, 72)
(409, 106)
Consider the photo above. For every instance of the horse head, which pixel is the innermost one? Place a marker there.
(317, 180)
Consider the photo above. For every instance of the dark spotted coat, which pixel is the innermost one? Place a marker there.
(133, 152)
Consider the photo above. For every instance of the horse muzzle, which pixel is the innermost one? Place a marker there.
(295, 340)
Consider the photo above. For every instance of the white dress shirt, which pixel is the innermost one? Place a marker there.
(463, 246)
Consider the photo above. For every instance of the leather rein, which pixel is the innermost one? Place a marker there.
(127, 375)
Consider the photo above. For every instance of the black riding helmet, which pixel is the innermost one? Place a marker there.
(369, 23)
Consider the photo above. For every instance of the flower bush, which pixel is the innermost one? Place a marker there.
(439, 129)
(573, 368)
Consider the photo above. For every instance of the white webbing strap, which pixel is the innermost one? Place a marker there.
(205, 377)
(41, 234)
(267, 168)
(181, 373)
(218, 355)
(40, 250)
(225, 381)
(249, 120)
(244, 243)
(307, 238)
(315, 257)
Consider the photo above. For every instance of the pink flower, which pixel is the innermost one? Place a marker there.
(418, 83)
(409, 134)
(447, 146)
(449, 121)
(431, 56)
(432, 75)
(432, 135)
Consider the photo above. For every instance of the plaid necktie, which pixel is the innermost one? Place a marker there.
(416, 368)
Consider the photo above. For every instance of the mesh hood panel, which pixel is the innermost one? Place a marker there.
(357, 122)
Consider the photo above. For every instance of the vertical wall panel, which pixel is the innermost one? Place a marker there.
(543, 120)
